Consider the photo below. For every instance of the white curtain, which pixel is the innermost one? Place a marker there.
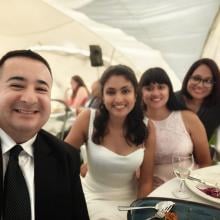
(212, 47)
(178, 29)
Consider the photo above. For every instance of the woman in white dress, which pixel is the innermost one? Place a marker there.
(177, 130)
(118, 144)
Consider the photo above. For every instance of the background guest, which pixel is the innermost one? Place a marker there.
(94, 98)
(79, 92)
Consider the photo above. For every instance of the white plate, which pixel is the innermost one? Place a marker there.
(211, 174)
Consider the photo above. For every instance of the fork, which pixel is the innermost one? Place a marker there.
(161, 213)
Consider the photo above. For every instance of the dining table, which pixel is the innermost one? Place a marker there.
(194, 195)
(199, 204)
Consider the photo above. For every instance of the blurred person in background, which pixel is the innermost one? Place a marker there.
(94, 99)
(79, 93)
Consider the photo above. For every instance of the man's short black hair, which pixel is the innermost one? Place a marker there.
(25, 53)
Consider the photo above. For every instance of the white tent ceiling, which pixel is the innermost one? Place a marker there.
(178, 29)
(128, 33)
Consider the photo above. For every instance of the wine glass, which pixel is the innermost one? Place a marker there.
(182, 166)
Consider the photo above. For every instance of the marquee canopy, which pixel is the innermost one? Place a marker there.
(142, 34)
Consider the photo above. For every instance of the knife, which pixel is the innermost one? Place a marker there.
(203, 181)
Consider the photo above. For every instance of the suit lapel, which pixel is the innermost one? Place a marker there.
(43, 178)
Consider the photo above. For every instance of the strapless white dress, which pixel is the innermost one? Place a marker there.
(110, 180)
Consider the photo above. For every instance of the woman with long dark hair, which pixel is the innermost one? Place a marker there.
(79, 92)
(200, 93)
(118, 143)
(177, 130)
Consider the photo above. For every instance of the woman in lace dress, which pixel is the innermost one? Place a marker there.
(118, 143)
(177, 130)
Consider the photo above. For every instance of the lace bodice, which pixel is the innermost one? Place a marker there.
(171, 136)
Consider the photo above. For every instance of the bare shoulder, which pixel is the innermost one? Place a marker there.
(188, 115)
(191, 120)
(83, 117)
(82, 90)
(79, 130)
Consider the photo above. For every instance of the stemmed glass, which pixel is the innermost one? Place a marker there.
(182, 166)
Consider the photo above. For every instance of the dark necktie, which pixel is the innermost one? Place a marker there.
(16, 195)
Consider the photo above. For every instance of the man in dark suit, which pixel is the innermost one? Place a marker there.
(49, 166)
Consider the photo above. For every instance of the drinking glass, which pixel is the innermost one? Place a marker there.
(182, 166)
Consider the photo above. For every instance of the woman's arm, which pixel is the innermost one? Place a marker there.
(79, 131)
(146, 170)
(199, 138)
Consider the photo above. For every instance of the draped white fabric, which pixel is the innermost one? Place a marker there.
(141, 34)
(212, 47)
(178, 29)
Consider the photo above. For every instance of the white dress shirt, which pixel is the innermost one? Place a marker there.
(26, 162)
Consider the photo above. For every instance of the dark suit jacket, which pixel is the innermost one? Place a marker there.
(58, 190)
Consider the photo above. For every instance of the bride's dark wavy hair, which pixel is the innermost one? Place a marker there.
(135, 130)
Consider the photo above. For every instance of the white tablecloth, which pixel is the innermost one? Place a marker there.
(166, 189)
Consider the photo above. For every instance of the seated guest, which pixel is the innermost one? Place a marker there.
(79, 93)
(177, 130)
(94, 99)
(200, 93)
